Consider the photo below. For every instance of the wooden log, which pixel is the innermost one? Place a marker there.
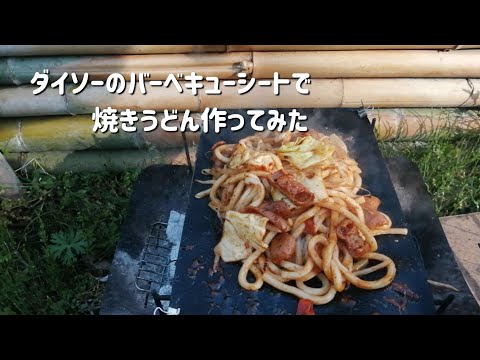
(20, 70)
(347, 93)
(96, 161)
(68, 133)
(419, 123)
(369, 64)
(42, 50)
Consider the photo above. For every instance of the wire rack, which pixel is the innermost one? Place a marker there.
(155, 259)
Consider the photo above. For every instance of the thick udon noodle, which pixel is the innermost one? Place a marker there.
(322, 254)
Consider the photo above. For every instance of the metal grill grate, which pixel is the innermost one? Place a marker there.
(155, 259)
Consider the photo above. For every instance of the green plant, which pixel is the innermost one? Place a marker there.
(449, 161)
(38, 280)
(46, 267)
(68, 246)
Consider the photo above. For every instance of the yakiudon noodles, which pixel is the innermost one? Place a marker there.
(291, 212)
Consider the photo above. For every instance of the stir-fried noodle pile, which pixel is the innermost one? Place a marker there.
(292, 212)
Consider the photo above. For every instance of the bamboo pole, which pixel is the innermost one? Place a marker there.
(369, 64)
(73, 133)
(413, 124)
(96, 161)
(390, 93)
(464, 47)
(68, 133)
(48, 50)
(20, 101)
(156, 98)
(347, 93)
(341, 47)
(20, 70)
(319, 64)
(353, 93)
(43, 50)
(323, 93)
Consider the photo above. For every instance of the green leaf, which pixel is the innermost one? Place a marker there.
(67, 246)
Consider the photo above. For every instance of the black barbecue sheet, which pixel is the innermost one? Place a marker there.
(196, 290)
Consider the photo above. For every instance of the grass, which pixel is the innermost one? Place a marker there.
(54, 240)
(450, 164)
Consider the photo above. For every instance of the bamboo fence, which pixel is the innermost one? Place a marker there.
(369, 64)
(20, 70)
(74, 133)
(260, 65)
(324, 93)
(69, 133)
(412, 84)
(96, 160)
(42, 50)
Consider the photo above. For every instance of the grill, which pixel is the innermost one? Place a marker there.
(155, 259)
(166, 249)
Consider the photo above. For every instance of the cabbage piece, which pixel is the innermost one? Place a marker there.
(302, 144)
(277, 195)
(313, 181)
(264, 161)
(306, 151)
(241, 233)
